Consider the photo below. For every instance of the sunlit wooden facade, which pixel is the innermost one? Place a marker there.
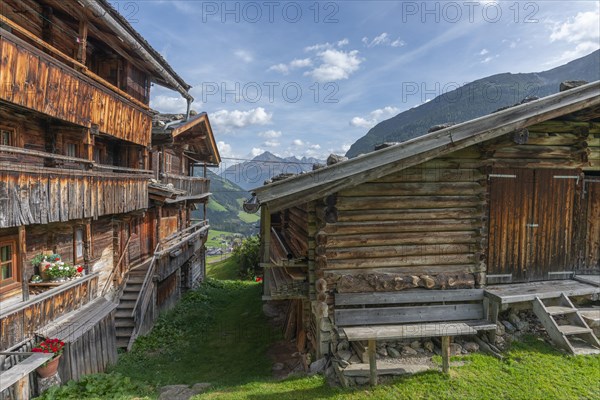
(82, 177)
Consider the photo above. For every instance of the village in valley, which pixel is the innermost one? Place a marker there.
(299, 200)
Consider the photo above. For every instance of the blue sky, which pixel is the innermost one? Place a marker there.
(309, 78)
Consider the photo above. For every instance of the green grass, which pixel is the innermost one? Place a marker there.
(227, 269)
(248, 218)
(218, 334)
(216, 206)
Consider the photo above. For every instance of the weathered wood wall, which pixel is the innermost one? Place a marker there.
(591, 245)
(45, 195)
(418, 227)
(32, 79)
(103, 252)
(18, 323)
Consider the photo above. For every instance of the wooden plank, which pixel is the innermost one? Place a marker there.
(409, 331)
(412, 296)
(399, 315)
(526, 292)
(22, 369)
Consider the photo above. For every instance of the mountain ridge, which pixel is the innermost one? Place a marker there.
(476, 99)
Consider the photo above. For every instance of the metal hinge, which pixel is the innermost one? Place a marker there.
(490, 176)
(576, 177)
(532, 225)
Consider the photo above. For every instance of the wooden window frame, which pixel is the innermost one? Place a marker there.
(78, 259)
(15, 280)
(11, 136)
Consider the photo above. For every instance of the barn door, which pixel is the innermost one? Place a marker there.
(590, 262)
(510, 210)
(531, 224)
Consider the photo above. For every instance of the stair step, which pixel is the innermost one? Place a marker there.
(583, 348)
(136, 279)
(123, 313)
(573, 329)
(130, 296)
(122, 342)
(560, 310)
(124, 332)
(124, 323)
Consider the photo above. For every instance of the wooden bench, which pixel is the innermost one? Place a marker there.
(19, 374)
(411, 314)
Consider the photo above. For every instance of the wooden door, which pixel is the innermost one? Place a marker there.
(510, 210)
(591, 206)
(531, 216)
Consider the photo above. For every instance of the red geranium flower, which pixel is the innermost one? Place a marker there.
(259, 279)
(79, 269)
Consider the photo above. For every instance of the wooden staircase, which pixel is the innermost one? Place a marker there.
(124, 321)
(565, 325)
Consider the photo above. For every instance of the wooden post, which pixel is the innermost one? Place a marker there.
(445, 354)
(493, 317)
(87, 246)
(265, 233)
(158, 219)
(372, 362)
(82, 48)
(22, 262)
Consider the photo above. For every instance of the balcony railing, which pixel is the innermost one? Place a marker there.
(31, 78)
(195, 187)
(31, 194)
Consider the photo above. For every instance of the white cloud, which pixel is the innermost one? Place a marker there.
(281, 68)
(168, 104)
(582, 32)
(487, 60)
(244, 55)
(327, 45)
(294, 64)
(483, 52)
(225, 149)
(256, 151)
(583, 27)
(315, 146)
(374, 117)
(270, 134)
(382, 40)
(271, 143)
(239, 119)
(297, 142)
(343, 42)
(335, 65)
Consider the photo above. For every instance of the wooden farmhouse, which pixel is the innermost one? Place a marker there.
(96, 189)
(435, 236)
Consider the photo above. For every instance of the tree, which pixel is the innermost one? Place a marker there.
(247, 254)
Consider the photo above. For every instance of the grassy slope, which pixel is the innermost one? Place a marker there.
(227, 269)
(218, 334)
(248, 218)
(213, 237)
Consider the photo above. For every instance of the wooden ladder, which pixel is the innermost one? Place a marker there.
(575, 336)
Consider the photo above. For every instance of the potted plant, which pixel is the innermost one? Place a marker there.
(59, 271)
(54, 346)
(42, 262)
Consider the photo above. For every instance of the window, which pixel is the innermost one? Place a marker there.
(8, 264)
(78, 245)
(6, 137)
(168, 162)
(71, 150)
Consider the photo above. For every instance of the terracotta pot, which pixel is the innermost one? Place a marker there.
(43, 273)
(49, 369)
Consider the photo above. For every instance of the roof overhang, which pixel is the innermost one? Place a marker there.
(194, 136)
(322, 182)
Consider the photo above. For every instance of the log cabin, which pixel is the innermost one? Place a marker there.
(436, 235)
(90, 175)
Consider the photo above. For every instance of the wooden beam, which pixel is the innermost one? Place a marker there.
(87, 245)
(22, 261)
(265, 228)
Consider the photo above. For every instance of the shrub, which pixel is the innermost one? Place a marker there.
(248, 256)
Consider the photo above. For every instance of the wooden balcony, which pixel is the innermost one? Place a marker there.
(39, 195)
(18, 321)
(32, 79)
(195, 188)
